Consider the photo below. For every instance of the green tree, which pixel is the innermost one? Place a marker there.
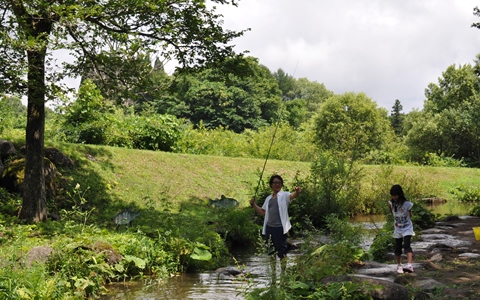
(313, 93)
(449, 124)
(286, 84)
(456, 85)
(12, 113)
(30, 30)
(396, 117)
(237, 101)
(351, 123)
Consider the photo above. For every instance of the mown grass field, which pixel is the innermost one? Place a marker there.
(136, 177)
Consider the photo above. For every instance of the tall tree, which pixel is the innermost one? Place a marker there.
(351, 123)
(286, 84)
(396, 117)
(246, 100)
(30, 30)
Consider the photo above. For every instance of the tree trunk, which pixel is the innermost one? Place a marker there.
(34, 207)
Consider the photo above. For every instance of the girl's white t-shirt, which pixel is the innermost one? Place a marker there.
(403, 223)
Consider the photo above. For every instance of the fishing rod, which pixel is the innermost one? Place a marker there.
(268, 154)
(271, 144)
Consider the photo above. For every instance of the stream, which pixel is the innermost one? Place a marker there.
(212, 285)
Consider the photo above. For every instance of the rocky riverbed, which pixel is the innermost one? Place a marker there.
(446, 264)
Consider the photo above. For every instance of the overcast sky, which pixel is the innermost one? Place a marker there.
(387, 49)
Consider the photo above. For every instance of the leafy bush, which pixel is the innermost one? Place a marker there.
(422, 218)
(333, 183)
(475, 211)
(289, 144)
(379, 157)
(90, 119)
(237, 226)
(434, 160)
(382, 244)
(342, 230)
(466, 193)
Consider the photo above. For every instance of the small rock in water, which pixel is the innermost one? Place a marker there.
(451, 218)
(401, 280)
(436, 258)
(422, 296)
(427, 284)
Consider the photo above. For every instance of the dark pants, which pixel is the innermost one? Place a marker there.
(276, 241)
(406, 245)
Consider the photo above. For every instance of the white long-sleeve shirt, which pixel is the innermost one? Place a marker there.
(283, 199)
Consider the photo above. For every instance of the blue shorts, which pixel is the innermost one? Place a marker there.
(276, 241)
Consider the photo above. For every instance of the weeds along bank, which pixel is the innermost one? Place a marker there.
(176, 231)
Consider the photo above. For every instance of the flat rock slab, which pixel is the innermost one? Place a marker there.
(436, 236)
(470, 255)
(384, 270)
(434, 230)
(362, 276)
(467, 217)
(444, 227)
(457, 224)
(444, 239)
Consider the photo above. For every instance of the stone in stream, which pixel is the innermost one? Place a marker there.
(228, 271)
(436, 258)
(427, 284)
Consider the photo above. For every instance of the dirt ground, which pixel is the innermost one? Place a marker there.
(460, 275)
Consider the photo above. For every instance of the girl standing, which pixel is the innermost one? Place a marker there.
(402, 214)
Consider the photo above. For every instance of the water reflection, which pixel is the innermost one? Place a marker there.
(451, 207)
(205, 285)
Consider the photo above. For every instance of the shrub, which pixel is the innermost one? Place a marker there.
(330, 189)
(466, 193)
(289, 144)
(434, 160)
(475, 211)
(342, 230)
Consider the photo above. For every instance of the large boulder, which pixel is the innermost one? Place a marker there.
(38, 254)
(14, 176)
(58, 158)
(6, 150)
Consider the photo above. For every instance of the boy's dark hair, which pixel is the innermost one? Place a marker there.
(397, 190)
(275, 176)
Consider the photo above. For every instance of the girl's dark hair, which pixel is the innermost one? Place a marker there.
(275, 176)
(397, 190)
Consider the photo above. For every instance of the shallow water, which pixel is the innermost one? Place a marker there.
(211, 285)
(204, 285)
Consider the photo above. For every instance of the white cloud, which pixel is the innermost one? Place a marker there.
(387, 49)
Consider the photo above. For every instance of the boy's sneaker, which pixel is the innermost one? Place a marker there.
(399, 269)
(409, 268)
